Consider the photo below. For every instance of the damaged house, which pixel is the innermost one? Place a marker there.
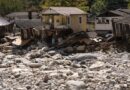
(55, 18)
(121, 28)
(55, 23)
(23, 15)
(60, 21)
(103, 22)
(5, 27)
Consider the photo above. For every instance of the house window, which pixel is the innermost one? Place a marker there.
(80, 19)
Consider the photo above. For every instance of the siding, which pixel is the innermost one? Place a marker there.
(76, 25)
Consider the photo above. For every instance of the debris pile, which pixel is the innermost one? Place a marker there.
(44, 69)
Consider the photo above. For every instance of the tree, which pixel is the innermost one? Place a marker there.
(7, 6)
(104, 5)
(99, 6)
(70, 3)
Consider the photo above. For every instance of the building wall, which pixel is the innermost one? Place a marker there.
(59, 20)
(105, 26)
(76, 25)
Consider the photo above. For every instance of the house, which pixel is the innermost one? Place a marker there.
(23, 15)
(103, 22)
(61, 18)
(121, 28)
(30, 28)
(5, 26)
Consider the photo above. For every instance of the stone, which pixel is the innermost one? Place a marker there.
(3, 66)
(57, 56)
(69, 49)
(2, 54)
(46, 78)
(52, 53)
(75, 85)
(25, 61)
(18, 60)
(34, 65)
(10, 56)
(20, 88)
(75, 75)
(45, 49)
(81, 48)
(40, 45)
(97, 65)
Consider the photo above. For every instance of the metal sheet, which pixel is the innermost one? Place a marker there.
(3, 22)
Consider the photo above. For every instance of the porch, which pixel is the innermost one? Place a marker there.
(56, 22)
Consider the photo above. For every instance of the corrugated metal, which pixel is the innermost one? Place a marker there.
(3, 22)
(22, 15)
(26, 23)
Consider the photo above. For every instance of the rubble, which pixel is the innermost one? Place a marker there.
(77, 63)
(43, 69)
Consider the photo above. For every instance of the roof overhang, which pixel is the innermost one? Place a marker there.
(66, 11)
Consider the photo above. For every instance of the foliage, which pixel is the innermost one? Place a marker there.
(103, 5)
(96, 6)
(7, 6)
(70, 3)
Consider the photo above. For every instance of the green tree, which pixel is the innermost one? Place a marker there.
(70, 3)
(7, 6)
(99, 6)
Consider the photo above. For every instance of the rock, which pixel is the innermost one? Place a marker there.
(96, 65)
(81, 48)
(69, 49)
(40, 45)
(8, 48)
(20, 88)
(75, 85)
(28, 87)
(46, 78)
(2, 54)
(34, 65)
(87, 41)
(10, 56)
(45, 49)
(25, 61)
(57, 56)
(52, 53)
(18, 60)
(74, 76)
(3, 66)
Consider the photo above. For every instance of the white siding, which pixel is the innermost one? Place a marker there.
(105, 26)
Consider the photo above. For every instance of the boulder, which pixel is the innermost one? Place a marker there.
(4, 66)
(97, 65)
(45, 49)
(81, 48)
(69, 49)
(34, 65)
(52, 53)
(57, 56)
(75, 85)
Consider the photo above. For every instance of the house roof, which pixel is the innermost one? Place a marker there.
(29, 23)
(64, 11)
(3, 22)
(125, 20)
(118, 12)
(22, 15)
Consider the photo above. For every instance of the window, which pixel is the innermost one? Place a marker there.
(80, 19)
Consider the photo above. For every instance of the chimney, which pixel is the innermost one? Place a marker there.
(29, 14)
